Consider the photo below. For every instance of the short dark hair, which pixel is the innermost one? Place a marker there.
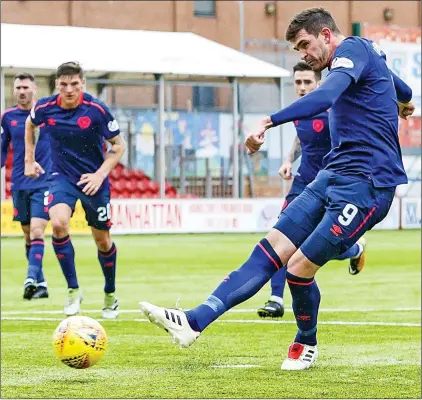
(70, 68)
(313, 20)
(24, 75)
(302, 66)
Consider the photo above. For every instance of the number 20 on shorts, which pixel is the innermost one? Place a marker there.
(104, 213)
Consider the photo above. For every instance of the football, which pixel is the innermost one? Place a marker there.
(79, 342)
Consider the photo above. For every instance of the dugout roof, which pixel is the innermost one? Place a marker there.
(128, 54)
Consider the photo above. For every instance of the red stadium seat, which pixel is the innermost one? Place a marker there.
(9, 158)
(118, 186)
(136, 194)
(114, 174)
(153, 186)
(147, 193)
(141, 186)
(129, 185)
(138, 174)
(8, 173)
(126, 173)
(171, 192)
(124, 194)
(132, 183)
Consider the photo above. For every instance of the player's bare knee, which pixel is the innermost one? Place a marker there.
(60, 226)
(37, 228)
(299, 265)
(103, 241)
(281, 245)
(37, 232)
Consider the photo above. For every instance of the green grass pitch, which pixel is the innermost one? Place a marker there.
(369, 332)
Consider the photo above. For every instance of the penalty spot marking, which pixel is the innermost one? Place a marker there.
(231, 321)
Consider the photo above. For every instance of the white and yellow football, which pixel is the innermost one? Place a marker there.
(79, 342)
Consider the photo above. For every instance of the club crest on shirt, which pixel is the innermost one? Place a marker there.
(317, 125)
(84, 122)
(342, 62)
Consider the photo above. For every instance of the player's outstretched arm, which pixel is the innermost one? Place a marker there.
(92, 182)
(32, 133)
(403, 90)
(285, 170)
(312, 104)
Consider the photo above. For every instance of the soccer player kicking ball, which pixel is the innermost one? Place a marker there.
(349, 196)
(313, 142)
(77, 124)
(28, 194)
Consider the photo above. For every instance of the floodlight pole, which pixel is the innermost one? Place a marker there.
(241, 117)
(235, 179)
(161, 136)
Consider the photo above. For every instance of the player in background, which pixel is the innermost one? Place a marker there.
(77, 124)
(349, 196)
(28, 194)
(313, 142)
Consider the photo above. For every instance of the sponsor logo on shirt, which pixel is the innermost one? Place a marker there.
(342, 62)
(113, 126)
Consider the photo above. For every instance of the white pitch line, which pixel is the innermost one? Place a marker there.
(61, 319)
(235, 321)
(236, 366)
(261, 321)
(235, 310)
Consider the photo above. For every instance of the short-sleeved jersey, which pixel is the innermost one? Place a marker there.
(13, 131)
(315, 141)
(76, 135)
(364, 120)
